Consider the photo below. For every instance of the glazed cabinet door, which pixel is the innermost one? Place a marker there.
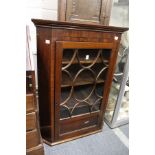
(81, 73)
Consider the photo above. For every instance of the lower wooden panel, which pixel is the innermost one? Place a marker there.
(32, 139)
(30, 121)
(78, 126)
(39, 150)
(30, 103)
(71, 125)
(82, 133)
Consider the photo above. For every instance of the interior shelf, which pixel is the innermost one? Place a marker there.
(67, 61)
(85, 56)
(81, 83)
(71, 77)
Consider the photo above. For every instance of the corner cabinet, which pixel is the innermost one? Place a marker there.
(76, 63)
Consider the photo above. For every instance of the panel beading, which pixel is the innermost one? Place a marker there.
(83, 76)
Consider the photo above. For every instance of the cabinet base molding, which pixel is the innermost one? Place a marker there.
(69, 139)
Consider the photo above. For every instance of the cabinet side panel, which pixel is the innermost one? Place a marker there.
(44, 82)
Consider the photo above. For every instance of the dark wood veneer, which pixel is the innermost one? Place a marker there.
(68, 25)
(53, 38)
(31, 121)
(74, 124)
(33, 137)
(30, 103)
(39, 150)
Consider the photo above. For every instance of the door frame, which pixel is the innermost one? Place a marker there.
(60, 45)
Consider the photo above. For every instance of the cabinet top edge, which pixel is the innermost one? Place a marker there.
(51, 23)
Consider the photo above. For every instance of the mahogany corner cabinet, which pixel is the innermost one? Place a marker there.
(76, 63)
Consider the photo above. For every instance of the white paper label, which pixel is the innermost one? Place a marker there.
(116, 37)
(47, 41)
(87, 57)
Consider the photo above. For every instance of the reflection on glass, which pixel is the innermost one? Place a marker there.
(117, 79)
(124, 110)
(112, 100)
(119, 17)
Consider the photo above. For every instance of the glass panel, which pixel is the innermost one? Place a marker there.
(112, 100)
(116, 84)
(84, 73)
(81, 108)
(87, 57)
(119, 17)
(83, 92)
(124, 110)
